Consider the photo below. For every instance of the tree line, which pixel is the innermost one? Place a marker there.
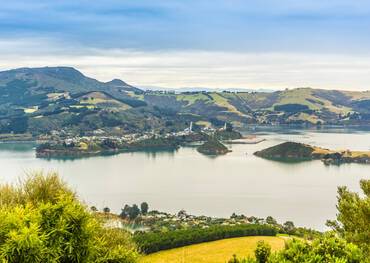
(150, 242)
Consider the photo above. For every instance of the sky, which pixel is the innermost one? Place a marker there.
(270, 44)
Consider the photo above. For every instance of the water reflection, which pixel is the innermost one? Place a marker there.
(17, 147)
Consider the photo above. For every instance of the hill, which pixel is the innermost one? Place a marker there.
(213, 147)
(215, 251)
(296, 106)
(298, 151)
(285, 150)
(40, 100)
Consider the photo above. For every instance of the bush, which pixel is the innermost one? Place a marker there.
(155, 241)
(41, 220)
(328, 248)
(262, 251)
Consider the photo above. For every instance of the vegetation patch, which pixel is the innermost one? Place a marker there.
(192, 98)
(213, 147)
(41, 220)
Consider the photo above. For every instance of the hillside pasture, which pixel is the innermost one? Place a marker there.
(102, 100)
(215, 251)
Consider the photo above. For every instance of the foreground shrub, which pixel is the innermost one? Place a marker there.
(326, 249)
(42, 221)
(262, 251)
(155, 241)
(322, 250)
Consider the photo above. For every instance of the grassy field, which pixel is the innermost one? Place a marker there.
(93, 99)
(216, 251)
(192, 98)
(306, 97)
(223, 102)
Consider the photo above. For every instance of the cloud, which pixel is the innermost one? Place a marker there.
(197, 68)
(266, 25)
(217, 43)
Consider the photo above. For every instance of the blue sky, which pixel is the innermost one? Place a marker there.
(246, 43)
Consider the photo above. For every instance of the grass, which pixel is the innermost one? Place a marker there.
(223, 102)
(358, 95)
(137, 96)
(216, 251)
(306, 117)
(192, 98)
(100, 99)
(299, 96)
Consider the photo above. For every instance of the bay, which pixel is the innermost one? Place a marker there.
(303, 192)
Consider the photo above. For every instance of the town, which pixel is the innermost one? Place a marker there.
(65, 144)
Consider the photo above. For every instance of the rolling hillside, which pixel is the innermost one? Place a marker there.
(39, 100)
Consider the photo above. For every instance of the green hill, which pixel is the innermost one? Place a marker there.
(213, 147)
(39, 100)
(299, 151)
(287, 150)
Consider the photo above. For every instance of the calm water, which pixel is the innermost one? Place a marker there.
(238, 182)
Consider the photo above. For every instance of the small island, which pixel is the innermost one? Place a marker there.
(298, 151)
(213, 147)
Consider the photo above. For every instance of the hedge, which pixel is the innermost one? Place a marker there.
(150, 242)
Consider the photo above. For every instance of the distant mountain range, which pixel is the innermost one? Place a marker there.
(199, 89)
(39, 100)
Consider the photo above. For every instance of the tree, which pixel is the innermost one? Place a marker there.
(144, 208)
(262, 251)
(106, 210)
(182, 214)
(271, 221)
(354, 216)
(134, 212)
(289, 227)
(130, 212)
(93, 208)
(125, 211)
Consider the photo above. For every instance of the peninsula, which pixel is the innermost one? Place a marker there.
(85, 146)
(300, 151)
